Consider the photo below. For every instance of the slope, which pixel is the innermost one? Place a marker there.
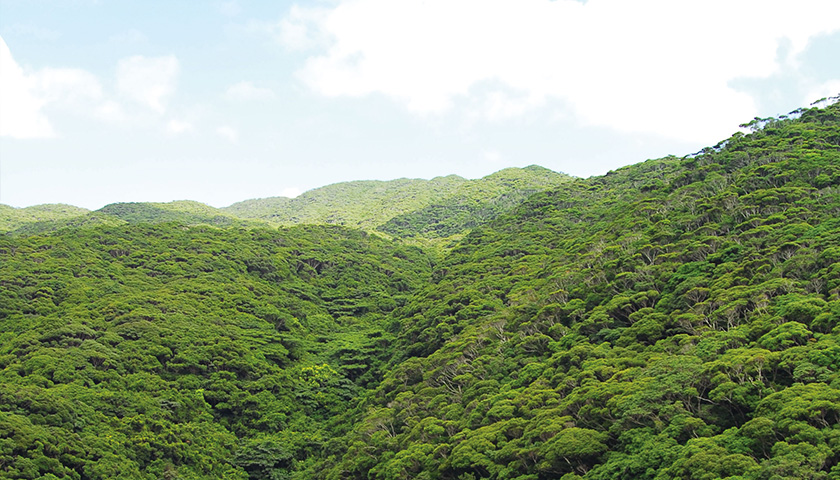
(441, 207)
(474, 203)
(673, 319)
(186, 212)
(13, 218)
(360, 204)
(164, 351)
(182, 211)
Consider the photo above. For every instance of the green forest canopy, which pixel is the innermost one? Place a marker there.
(677, 318)
(426, 209)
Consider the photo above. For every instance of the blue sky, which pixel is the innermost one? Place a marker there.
(113, 101)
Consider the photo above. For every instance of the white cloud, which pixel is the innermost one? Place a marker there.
(69, 87)
(176, 127)
(111, 111)
(149, 81)
(228, 133)
(645, 66)
(25, 95)
(20, 113)
(502, 103)
(830, 88)
(28, 97)
(301, 29)
(248, 91)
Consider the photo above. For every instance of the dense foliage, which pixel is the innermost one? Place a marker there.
(133, 213)
(474, 203)
(13, 218)
(183, 211)
(359, 204)
(173, 352)
(426, 209)
(672, 319)
(441, 207)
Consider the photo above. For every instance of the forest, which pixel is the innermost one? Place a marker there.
(672, 319)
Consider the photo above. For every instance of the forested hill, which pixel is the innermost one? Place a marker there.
(677, 318)
(360, 204)
(673, 319)
(14, 218)
(440, 207)
(166, 351)
(473, 203)
(429, 209)
(47, 218)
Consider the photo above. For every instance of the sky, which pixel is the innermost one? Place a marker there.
(105, 101)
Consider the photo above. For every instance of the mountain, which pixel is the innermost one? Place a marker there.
(677, 318)
(474, 203)
(123, 347)
(13, 218)
(441, 207)
(673, 319)
(361, 204)
(182, 211)
(132, 213)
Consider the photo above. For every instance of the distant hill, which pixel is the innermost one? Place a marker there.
(362, 204)
(440, 207)
(474, 203)
(186, 212)
(12, 218)
(436, 208)
(90, 219)
(183, 211)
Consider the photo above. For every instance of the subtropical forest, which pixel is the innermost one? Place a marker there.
(673, 319)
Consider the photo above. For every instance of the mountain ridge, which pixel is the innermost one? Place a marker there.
(365, 204)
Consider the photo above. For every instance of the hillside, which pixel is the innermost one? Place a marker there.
(428, 209)
(132, 213)
(182, 211)
(474, 203)
(360, 204)
(677, 318)
(673, 319)
(441, 207)
(139, 352)
(13, 218)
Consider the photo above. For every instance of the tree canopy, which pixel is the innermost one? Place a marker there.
(677, 318)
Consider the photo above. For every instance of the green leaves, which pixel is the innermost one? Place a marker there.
(158, 348)
(653, 315)
(574, 447)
